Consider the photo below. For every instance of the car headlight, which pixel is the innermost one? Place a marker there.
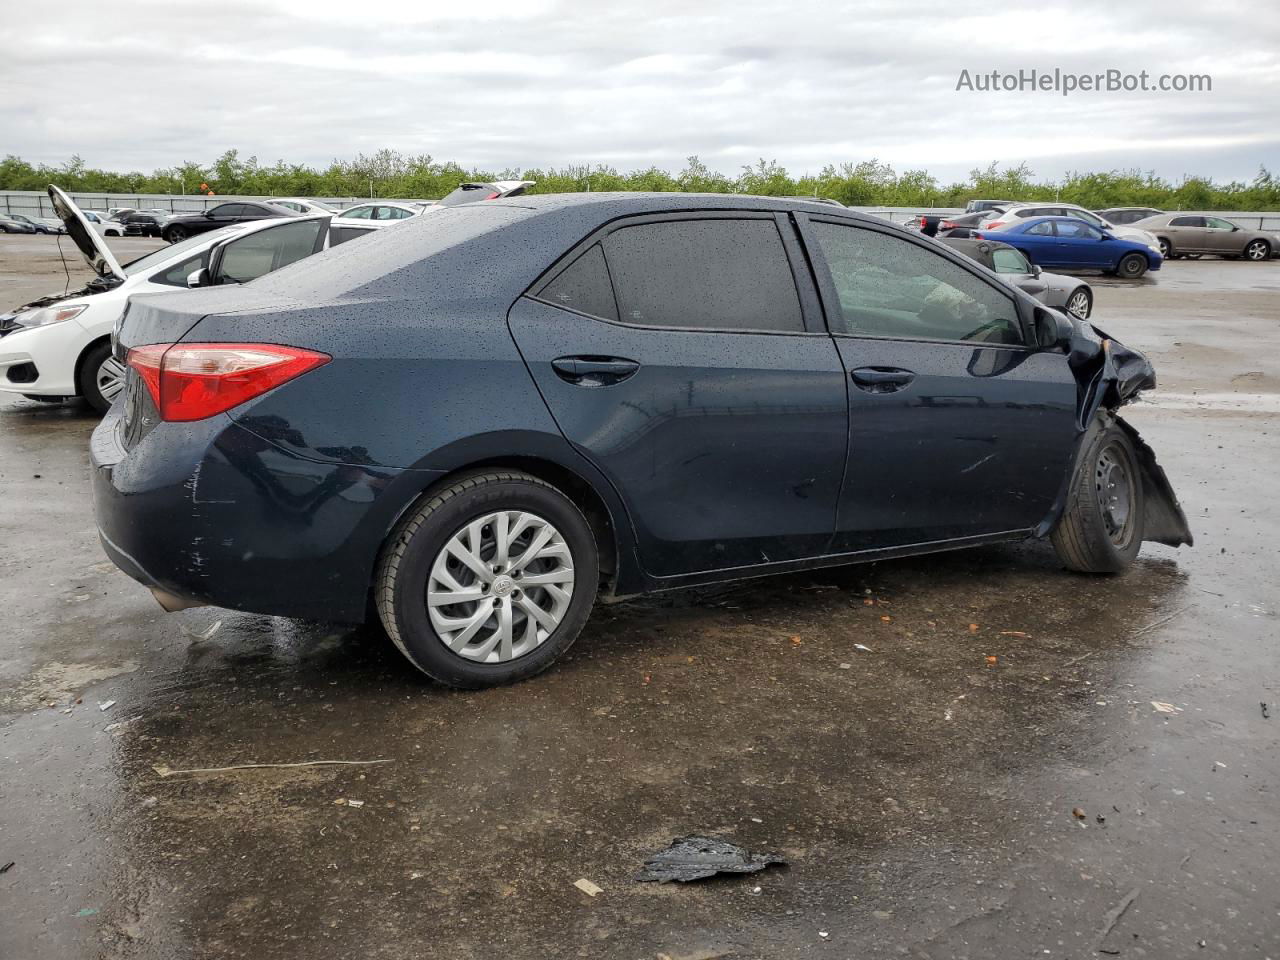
(47, 315)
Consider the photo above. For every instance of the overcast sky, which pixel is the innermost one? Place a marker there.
(140, 84)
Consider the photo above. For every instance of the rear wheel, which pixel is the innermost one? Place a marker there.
(1101, 528)
(101, 377)
(1132, 266)
(175, 234)
(1258, 251)
(1166, 248)
(489, 581)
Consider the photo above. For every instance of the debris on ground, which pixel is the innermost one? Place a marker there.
(696, 858)
(587, 887)
(87, 912)
(1113, 917)
(863, 647)
(106, 705)
(355, 804)
(1078, 813)
(204, 634)
(164, 771)
(1266, 715)
(1014, 633)
(1162, 707)
(8, 866)
(846, 666)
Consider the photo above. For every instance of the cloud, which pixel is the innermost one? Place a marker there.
(141, 84)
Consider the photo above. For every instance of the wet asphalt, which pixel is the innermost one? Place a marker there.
(971, 755)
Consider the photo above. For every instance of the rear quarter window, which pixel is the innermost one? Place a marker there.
(584, 286)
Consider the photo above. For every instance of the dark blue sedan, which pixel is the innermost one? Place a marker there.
(472, 426)
(1065, 242)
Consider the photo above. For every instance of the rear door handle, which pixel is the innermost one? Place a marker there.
(882, 379)
(594, 371)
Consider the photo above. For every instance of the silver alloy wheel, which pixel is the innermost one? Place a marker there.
(1078, 305)
(1257, 250)
(1164, 248)
(500, 586)
(1114, 487)
(109, 378)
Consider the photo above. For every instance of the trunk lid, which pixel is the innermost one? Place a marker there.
(92, 247)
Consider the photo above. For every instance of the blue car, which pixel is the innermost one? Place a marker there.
(1055, 242)
(471, 426)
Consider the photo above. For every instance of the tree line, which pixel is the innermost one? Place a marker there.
(391, 174)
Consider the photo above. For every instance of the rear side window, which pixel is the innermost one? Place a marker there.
(1042, 229)
(584, 286)
(729, 274)
(890, 287)
(1007, 260)
(1187, 222)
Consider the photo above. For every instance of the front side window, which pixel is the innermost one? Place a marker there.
(1007, 260)
(260, 253)
(1217, 223)
(890, 287)
(358, 213)
(727, 274)
(176, 276)
(226, 210)
(1044, 229)
(391, 213)
(1077, 229)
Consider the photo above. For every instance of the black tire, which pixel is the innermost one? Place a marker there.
(1166, 248)
(1131, 266)
(1080, 303)
(175, 234)
(90, 367)
(401, 580)
(1258, 251)
(1089, 538)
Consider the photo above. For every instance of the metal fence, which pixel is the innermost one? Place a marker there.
(35, 203)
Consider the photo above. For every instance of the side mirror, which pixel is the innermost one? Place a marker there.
(198, 278)
(1053, 330)
(1036, 271)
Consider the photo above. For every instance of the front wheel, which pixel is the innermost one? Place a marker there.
(175, 234)
(1166, 248)
(1257, 251)
(101, 377)
(1132, 266)
(489, 581)
(1102, 527)
(1080, 304)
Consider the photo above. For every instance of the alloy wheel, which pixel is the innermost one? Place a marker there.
(1257, 250)
(1164, 248)
(1078, 305)
(1113, 484)
(500, 586)
(110, 378)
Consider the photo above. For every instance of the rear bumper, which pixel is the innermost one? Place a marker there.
(212, 513)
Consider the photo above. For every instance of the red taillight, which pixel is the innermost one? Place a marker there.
(946, 225)
(978, 236)
(192, 381)
(994, 224)
(493, 196)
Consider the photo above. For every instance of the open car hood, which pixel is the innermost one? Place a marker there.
(92, 247)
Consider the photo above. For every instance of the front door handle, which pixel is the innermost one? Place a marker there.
(881, 379)
(594, 371)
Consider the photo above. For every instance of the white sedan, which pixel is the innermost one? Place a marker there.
(60, 346)
(366, 217)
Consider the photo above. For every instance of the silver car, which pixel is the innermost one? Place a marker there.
(1069, 294)
(1193, 235)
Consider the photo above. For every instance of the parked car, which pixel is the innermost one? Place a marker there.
(59, 346)
(102, 224)
(1127, 215)
(476, 422)
(948, 225)
(301, 205)
(183, 225)
(1071, 294)
(366, 217)
(978, 206)
(1070, 242)
(1025, 211)
(11, 224)
(143, 224)
(494, 190)
(1181, 234)
(825, 200)
(37, 225)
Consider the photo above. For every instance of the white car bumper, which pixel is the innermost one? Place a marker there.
(52, 350)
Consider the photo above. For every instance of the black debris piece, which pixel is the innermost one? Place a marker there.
(1266, 713)
(696, 858)
(6, 867)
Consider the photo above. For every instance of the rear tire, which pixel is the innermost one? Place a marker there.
(101, 377)
(1166, 248)
(175, 234)
(1102, 527)
(490, 634)
(1131, 266)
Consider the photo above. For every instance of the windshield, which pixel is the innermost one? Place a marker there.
(169, 251)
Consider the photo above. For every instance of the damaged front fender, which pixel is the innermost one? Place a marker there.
(1109, 375)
